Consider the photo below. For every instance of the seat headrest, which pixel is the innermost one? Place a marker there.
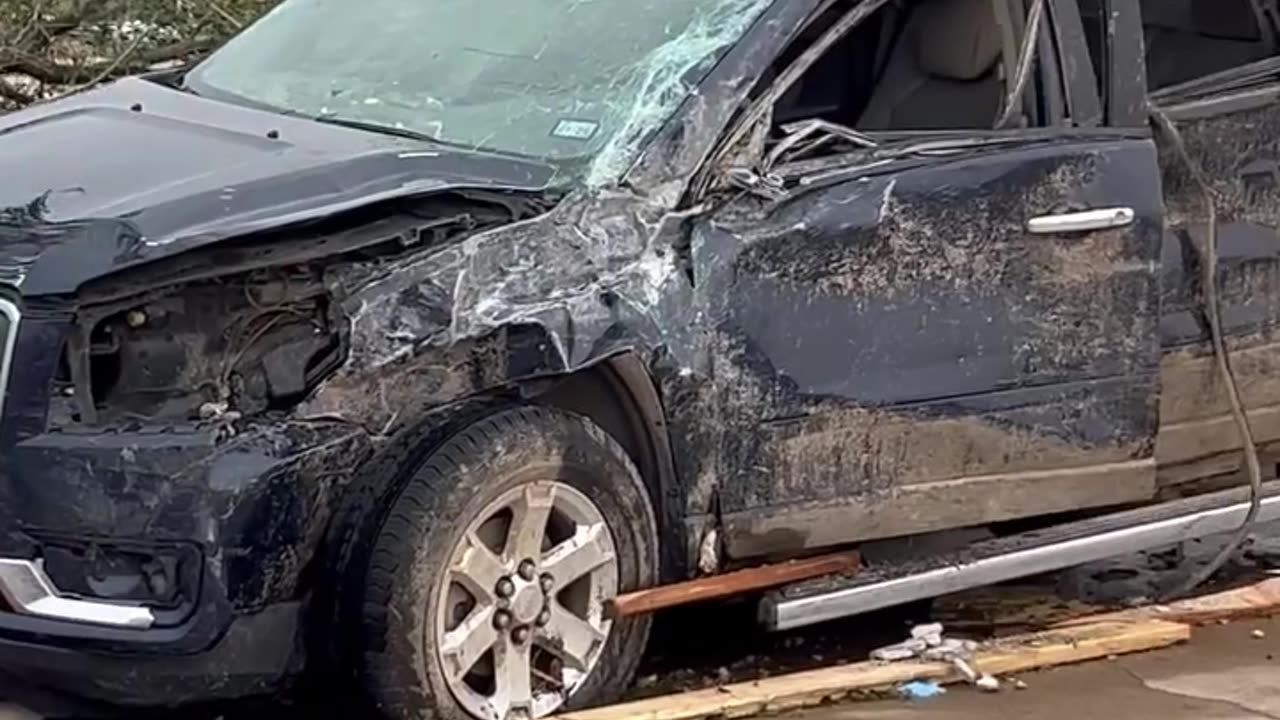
(957, 39)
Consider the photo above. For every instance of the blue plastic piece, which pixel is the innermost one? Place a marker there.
(921, 690)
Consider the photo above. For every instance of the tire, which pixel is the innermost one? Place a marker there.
(427, 607)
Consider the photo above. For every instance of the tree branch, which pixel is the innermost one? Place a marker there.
(47, 72)
(14, 95)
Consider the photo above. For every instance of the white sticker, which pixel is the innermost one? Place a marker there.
(576, 129)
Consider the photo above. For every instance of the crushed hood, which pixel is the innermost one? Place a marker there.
(136, 171)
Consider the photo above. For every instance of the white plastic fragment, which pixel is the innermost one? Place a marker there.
(926, 642)
(988, 683)
(966, 670)
(948, 648)
(905, 650)
(927, 631)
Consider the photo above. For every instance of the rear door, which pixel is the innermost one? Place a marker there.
(949, 328)
(1213, 70)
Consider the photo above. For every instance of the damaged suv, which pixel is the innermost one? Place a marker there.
(395, 339)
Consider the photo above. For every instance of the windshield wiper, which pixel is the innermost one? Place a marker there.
(377, 128)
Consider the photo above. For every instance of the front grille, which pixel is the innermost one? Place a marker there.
(8, 336)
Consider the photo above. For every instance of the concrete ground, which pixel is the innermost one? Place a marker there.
(1225, 673)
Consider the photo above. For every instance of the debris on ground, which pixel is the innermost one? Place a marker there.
(1008, 609)
(921, 690)
(1258, 600)
(928, 643)
(987, 683)
(1259, 634)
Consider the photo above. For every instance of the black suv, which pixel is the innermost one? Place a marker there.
(395, 338)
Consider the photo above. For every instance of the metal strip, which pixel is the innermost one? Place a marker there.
(28, 590)
(13, 315)
(783, 614)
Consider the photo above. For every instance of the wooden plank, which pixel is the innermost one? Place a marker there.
(1258, 600)
(785, 692)
(731, 583)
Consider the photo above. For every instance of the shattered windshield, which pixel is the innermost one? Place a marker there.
(552, 79)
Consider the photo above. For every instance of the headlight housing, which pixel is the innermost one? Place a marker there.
(244, 346)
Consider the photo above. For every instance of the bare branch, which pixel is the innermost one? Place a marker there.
(50, 47)
(14, 95)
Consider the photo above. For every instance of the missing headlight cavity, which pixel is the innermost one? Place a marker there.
(242, 345)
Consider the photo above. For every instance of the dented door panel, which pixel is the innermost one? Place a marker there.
(903, 344)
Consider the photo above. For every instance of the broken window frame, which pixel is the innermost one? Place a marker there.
(740, 158)
(1065, 38)
(1121, 83)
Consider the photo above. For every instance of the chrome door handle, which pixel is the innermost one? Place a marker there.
(1103, 219)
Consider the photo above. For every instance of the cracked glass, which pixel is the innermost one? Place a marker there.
(585, 80)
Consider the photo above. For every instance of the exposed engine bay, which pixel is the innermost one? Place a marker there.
(242, 344)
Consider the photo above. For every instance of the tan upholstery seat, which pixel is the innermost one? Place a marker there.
(943, 72)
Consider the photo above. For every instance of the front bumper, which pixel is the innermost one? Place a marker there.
(160, 567)
(259, 654)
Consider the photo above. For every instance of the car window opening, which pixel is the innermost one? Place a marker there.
(1190, 39)
(929, 65)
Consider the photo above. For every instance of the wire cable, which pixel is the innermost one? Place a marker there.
(1212, 309)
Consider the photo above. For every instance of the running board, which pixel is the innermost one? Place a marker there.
(1008, 558)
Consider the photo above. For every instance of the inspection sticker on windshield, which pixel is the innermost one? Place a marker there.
(576, 129)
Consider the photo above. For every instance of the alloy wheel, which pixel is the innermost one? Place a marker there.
(520, 623)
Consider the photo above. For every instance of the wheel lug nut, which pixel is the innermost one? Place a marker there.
(502, 620)
(544, 617)
(547, 582)
(520, 635)
(527, 568)
(506, 588)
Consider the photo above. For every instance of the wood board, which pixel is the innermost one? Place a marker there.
(1010, 655)
(728, 584)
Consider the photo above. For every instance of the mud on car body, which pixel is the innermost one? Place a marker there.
(400, 358)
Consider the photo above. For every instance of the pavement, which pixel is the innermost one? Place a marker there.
(1224, 673)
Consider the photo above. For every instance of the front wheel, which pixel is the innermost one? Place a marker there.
(488, 579)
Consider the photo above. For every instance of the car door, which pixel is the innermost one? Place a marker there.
(946, 329)
(1214, 72)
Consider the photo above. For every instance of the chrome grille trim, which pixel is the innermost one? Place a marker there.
(29, 591)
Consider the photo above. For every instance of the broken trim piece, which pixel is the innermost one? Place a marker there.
(29, 591)
(7, 343)
(763, 105)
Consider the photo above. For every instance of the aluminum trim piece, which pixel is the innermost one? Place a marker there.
(28, 591)
(9, 341)
(1089, 220)
(784, 614)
